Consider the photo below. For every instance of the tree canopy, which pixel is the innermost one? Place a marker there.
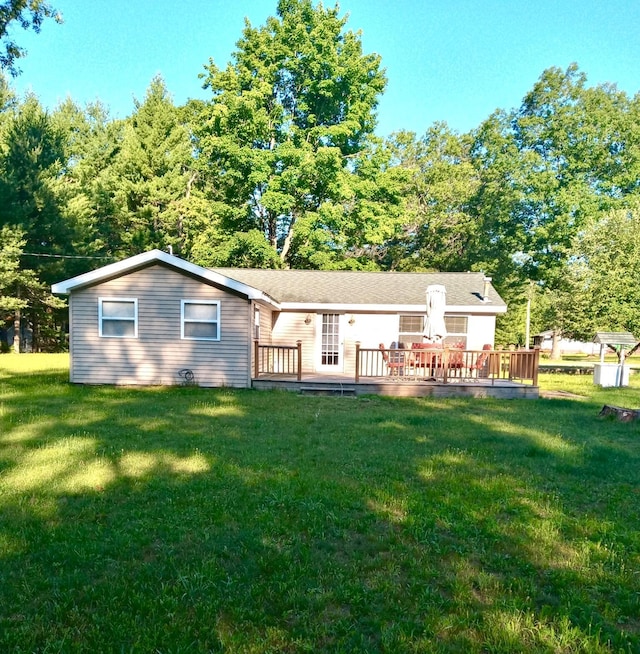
(603, 275)
(280, 142)
(281, 167)
(28, 14)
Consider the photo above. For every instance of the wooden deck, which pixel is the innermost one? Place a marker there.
(345, 386)
(415, 372)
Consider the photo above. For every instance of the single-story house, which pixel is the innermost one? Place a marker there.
(544, 341)
(151, 317)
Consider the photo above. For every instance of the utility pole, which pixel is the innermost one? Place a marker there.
(527, 325)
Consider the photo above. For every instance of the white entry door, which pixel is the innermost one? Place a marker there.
(329, 344)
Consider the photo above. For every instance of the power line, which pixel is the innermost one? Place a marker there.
(62, 256)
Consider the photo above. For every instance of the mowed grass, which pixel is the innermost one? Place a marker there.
(192, 520)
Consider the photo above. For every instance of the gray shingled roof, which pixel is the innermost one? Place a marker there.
(616, 338)
(359, 287)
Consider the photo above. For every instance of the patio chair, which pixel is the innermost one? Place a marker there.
(455, 362)
(481, 366)
(395, 358)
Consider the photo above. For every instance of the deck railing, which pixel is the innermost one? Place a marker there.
(447, 365)
(439, 365)
(277, 360)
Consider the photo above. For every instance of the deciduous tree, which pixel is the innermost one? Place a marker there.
(567, 156)
(439, 229)
(28, 14)
(604, 276)
(288, 119)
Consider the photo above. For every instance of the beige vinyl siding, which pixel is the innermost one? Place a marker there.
(158, 354)
(266, 324)
(370, 329)
(290, 328)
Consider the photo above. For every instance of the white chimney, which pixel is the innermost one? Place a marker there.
(485, 290)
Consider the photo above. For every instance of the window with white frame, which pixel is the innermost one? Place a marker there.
(411, 330)
(457, 327)
(118, 317)
(200, 320)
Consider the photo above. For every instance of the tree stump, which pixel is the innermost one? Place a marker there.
(622, 414)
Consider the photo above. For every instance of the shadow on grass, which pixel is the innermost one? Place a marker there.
(182, 519)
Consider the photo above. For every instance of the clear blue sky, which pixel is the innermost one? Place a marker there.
(446, 60)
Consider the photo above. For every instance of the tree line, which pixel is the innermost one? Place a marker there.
(281, 167)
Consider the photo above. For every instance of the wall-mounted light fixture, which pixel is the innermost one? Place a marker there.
(307, 320)
(352, 320)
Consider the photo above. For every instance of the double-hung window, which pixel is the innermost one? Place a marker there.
(200, 320)
(411, 329)
(118, 317)
(457, 327)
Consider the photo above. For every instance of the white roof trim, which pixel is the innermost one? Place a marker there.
(158, 256)
(487, 309)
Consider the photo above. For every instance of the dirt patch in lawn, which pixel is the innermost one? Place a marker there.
(563, 395)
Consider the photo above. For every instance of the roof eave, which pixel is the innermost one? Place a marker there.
(486, 309)
(151, 257)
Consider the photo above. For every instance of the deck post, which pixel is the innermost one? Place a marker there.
(493, 367)
(357, 361)
(299, 346)
(536, 363)
(256, 361)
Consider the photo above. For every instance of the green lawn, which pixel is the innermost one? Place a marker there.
(192, 520)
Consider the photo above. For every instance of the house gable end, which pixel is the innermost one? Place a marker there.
(158, 257)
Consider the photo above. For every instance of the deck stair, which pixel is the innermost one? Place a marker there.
(346, 390)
